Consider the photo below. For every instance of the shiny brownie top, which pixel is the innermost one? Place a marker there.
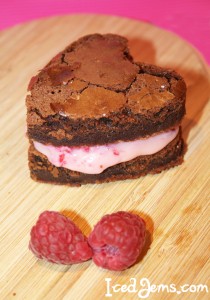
(96, 77)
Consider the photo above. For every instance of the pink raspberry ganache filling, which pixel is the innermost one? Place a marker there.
(95, 159)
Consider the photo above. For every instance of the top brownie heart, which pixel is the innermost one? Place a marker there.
(95, 83)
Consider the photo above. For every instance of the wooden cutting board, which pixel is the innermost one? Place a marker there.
(175, 203)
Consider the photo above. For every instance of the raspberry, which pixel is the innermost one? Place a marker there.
(58, 240)
(117, 240)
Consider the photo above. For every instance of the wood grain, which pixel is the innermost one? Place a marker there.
(175, 203)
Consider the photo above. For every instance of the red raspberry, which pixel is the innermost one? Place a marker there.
(117, 240)
(57, 239)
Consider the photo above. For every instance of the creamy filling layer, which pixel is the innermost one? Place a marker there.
(95, 159)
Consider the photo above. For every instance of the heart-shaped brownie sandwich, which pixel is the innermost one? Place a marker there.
(95, 115)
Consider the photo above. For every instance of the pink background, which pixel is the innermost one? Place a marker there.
(190, 19)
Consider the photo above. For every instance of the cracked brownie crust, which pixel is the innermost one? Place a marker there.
(94, 93)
